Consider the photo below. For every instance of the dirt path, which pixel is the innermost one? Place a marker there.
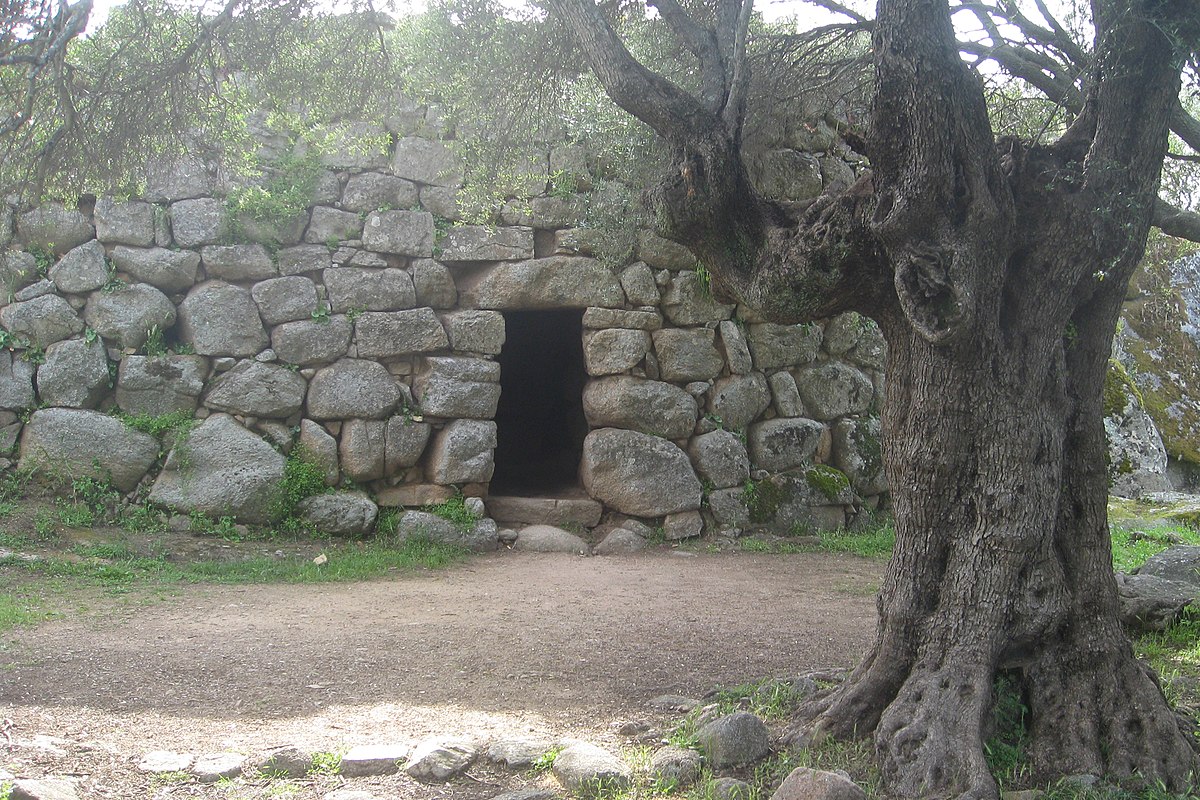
(507, 643)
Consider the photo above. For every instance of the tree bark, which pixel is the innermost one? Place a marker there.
(996, 271)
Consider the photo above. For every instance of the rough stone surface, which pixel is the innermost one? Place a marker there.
(434, 284)
(124, 222)
(637, 474)
(554, 282)
(475, 331)
(404, 443)
(685, 525)
(406, 233)
(675, 766)
(42, 321)
(687, 354)
(437, 760)
(458, 387)
(687, 302)
(782, 444)
(517, 754)
(370, 191)
(285, 299)
(787, 175)
(351, 288)
(167, 270)
(661, 253)
(363, 448)
(587, 770)
(731, 789)
(17, 270)
(310, 341)
(614, 350)
(288, 761)
(320, 448)
(328, 225)
(735, 739)
(720, 458)
(638, 282)
(125, 316)
(787, 396)
(803, 783)
(178, 178)
(81, 270)
(637, 404)
(1179, 563)
(257, 390)
(739, 400)
(73, 443)
(857, 453)
(383, 334)
(483, 243)
(53, 227)
(427, 161)
(372, 759)
(75, 374)
(619, 541)
(238, 262)
(220, 319)
(1137, 458)
(482, 537)
(737, 351)
(834, 389)
(198, 222)
(221, 469)
(602, 318)
(43, 789)
(462, 452)
(212, 767)
(779, 346)
(156, 385)
(16, 381)
(303, 259)
(549, 539)
(352, 388)
(1152, 603)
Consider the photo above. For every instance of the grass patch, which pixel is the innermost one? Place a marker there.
(1132, 544)
(116, 568)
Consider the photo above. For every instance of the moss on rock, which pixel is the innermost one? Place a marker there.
(827, 480)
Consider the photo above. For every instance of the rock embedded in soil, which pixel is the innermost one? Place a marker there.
(549, 539)
(517, 754)
(439, 760)
(730, 789)
(812, 784)
(1180, 563)
(165, 761)
(372, 759)
(212, 767)
(528, 794)
(675, 766)
(674, 702)
(349, 794)
(46, 789)
(733, 740)
(620, 541)
(587, 770)
(288, 761)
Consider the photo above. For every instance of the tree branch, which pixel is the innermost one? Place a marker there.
(662, 105)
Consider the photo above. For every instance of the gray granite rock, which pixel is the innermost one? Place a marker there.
(739, 400)
(803, 783)
(285, 299)
(652, 407)
(74, 375)
(127, 314)
(167, 270)
(458, 388)
(614, 350)
(687, 354)
(53, 227)
(71, 443)
(426, 161)
(16, 381)
(406, 233)
(220, 469)
(352, 388)
(475, 331)
(462, 452)
(220, 319)
(483, 243)
(588, 770)
(439, 760)
(157, 385)
(782, 444)
(734, 740)
(81, 270)
(555, 282)
(124, 222)
(307, 342)
(352, 288)
(549, 539)
(433, 283)
(257, 390)
(199, 221)
(637, 474)
(41, 321)
(373, 191)
(384, 334)
(834, 389)
(238, 262)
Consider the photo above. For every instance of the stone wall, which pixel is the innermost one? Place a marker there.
(369, 328)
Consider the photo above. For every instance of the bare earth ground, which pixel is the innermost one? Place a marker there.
(507, 645)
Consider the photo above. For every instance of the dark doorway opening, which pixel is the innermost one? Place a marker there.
(540, 419)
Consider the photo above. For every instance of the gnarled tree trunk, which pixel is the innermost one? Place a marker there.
(995, 270)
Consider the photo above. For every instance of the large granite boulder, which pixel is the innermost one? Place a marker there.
(652, 407)
(257, 390)
(53, 227)
(65, 443)
(463, 452)
(74, 375)
(638, 474)
(554, 282)
(458, 387)
(81, 270)
(157, 385)
(42, 321)
(352, 388)
(167, 270)
(221, 469)
(220, 319)
(126, 315)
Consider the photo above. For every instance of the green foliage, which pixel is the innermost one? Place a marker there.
(871, 541)
(224, 527)
(543, 763)
(43, 258)
(454, 510)
(325, 764)
(174, 425)
(829, 481)
(154, 345)
(763, 498)
(285, 192)
(302, 477)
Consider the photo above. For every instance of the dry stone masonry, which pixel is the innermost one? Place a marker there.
(413, 356)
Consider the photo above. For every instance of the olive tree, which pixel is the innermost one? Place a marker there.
(996, 268)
